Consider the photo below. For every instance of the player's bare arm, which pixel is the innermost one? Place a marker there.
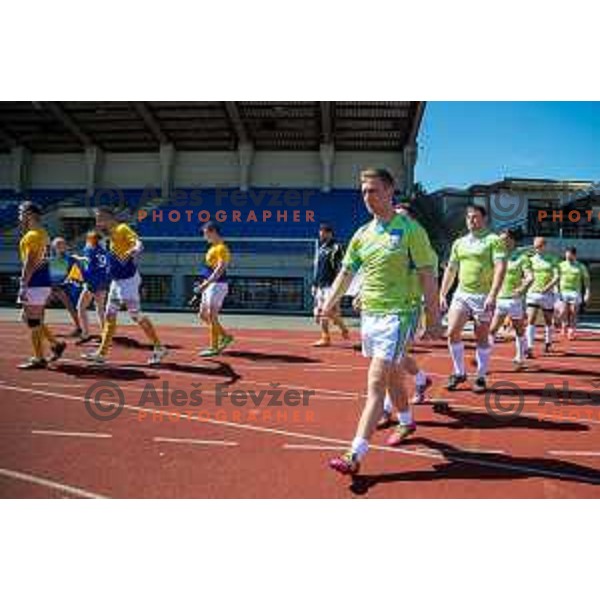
(338, 289)
(216, 275)
(527, 281)
(448, 281)
(433, 327)
(499, 275)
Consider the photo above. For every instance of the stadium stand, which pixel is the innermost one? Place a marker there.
(161, 157)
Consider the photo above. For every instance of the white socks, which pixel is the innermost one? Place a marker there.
(530, 336)
(483, 360)
(457, 352)
(548, 335)
(405, 418)
(521, 345)
(360, 447)
(388, 407)
(420, 380)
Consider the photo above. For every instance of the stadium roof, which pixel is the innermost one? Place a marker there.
(144, 126)
(532, 184)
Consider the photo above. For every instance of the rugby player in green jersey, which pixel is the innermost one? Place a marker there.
(541, 296)
(574, 278)
(511, 300)
(479, 261)
(422, 381)
(386, 249)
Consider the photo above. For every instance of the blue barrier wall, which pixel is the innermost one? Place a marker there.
(283, 213)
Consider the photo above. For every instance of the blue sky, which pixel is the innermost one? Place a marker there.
(462, 143)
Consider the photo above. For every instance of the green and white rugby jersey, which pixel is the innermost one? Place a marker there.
(518, 265)
(573, 276)
(544, 268)
(389, 256)
(475, 256)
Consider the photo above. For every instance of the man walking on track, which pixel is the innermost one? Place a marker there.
(328, 263)
(511, 303)
(214, 289)
(541, 294)
(574, 278)
(479, 261)
(35, 286)
(385, 250)
(125, 248)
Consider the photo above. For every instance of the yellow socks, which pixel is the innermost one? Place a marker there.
(214, 332)
(148, 329)
(110, 326)
(340, 324)
(222, 333)
(48, 335)
(37, 338)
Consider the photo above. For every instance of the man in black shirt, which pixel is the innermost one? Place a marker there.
(328, 262)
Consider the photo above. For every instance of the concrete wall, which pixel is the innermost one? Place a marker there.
(130, 170)
(201, 169)
(206, 169)
(286, 169)
(348, 166)
(57, 171)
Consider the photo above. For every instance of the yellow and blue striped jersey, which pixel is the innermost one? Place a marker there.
(122, 241)
(215, 255)
(34, 246)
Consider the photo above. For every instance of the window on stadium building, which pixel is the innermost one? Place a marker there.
(265, 293)
(585, 224)
(546, 227)
(156, 289)
(9, 288)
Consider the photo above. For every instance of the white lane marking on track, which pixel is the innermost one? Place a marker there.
(329, 366)
(432, 452)
(311, 447)
(75, 434)
(51, 384)
(194, 376)
(349, 395)
(161, 440)
(573, 453)
(480, 450)
(361, 395)
(61, 487)
(545, 403)
(345, 396)
(427, 454)
(539, 416)
(329, 369)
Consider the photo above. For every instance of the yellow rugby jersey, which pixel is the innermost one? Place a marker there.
(34, 245)
(75, 274)
(122, 240)
(216, 254)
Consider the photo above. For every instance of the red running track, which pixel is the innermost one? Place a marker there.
(50, 446)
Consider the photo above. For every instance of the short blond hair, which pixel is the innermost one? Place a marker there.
(381, 174)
